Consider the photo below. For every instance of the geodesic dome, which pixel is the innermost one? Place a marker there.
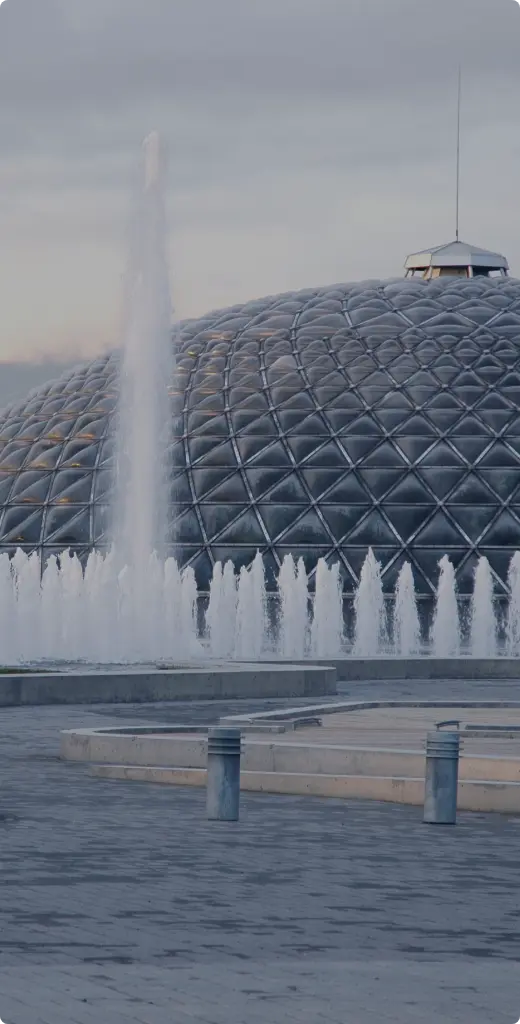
(318, 422)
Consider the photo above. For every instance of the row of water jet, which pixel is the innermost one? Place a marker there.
(73, 614)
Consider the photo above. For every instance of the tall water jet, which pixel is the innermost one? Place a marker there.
(445, 631)
(327, 619)
(483, 626)
(293, 611)
(370, 633)
(140, 508)
(407, 629)
(221, 611)
(513, 610)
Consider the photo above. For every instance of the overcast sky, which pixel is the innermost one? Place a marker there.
(310, 142)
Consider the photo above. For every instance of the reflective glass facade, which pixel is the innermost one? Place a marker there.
(381, 413)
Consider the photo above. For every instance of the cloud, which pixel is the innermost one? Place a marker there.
(310, 140)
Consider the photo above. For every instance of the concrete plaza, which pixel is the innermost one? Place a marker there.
(121, 903)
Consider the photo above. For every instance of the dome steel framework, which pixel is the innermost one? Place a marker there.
(318, 422)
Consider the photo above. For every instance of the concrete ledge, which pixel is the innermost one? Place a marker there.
(167, 748)
(352, 669)
(233, 681)
(484, 797)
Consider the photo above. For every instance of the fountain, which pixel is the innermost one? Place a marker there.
(134, 605)
(370, 634)
(483, 627)
(407, 630)
(445, 634)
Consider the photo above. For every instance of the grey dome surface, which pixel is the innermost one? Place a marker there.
(318, 422)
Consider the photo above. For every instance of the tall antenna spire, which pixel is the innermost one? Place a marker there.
(458, 160)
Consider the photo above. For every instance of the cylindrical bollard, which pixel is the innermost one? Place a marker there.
(441, 778)
(223, 782)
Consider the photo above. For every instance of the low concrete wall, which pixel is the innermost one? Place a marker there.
(173, 750)
(351, 669)
(228, 682)
(484, 797)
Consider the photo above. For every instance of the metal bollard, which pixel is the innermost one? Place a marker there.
(223, 781)
(441, 777)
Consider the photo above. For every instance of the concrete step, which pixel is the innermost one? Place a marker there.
(473, 794)
(174, 750)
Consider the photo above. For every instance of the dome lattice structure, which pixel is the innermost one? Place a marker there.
(318, 422)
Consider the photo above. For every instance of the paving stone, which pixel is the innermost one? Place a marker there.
(121, 903)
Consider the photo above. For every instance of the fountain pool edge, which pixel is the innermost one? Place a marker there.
(221, 682)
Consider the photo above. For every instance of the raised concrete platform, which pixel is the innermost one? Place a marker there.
(196, 682)
(365, 750)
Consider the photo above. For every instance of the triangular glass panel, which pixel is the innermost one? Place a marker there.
(307, 530)
(407, 519)
(439, 532)
(340, 422)
(261, 480)
(493, 401)
(413, 448)
(231, 489)
(358, 447)
(29, 487)
(443, 400)
(471, 448)
(343, 488)
(391, 419)
(219, 455)
(496, 419)
(471, 491)
(249, 446)
(263, 426)
(441, 480)
(467, 379)
(302, 447)
(342, 518)
(505, 532)
(469, 425)
(62, 528)
(186, 529)
(278, 518)
(275, 455)
(385, 456)
(245, 530)
(373, 530)
(443, 419)
(289, 490)
(500, 456)
(203, 424)
(313, 425)
(21, 525)
(473, 519)
(441, 455)
(205, 480)
(327, 457)
(365, 425)
(379, 481)
(408, 490)
(6, 484)
(76, 493)
(501, 481)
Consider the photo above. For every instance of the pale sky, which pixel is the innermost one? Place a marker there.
(310, 142)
